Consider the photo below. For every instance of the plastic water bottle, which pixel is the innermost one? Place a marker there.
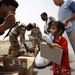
(51, 39)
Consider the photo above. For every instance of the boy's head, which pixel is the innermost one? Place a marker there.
(6, 6)
(57, 27)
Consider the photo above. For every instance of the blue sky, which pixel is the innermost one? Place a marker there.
(29, 11)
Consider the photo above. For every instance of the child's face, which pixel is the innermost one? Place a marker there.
(53, 30)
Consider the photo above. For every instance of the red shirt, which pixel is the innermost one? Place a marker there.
(64, 66)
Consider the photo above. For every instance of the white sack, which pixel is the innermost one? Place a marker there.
(70, 49)
(40, 61)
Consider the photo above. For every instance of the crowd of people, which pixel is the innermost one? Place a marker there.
(66, 22)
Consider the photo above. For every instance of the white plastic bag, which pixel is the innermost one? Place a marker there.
(47, 38)
(69, 25)
(40, 61)
(70, 49)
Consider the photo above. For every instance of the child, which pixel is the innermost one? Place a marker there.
(56, 29)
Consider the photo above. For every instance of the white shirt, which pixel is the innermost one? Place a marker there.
(47, 22)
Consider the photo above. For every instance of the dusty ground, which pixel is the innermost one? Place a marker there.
(44, 71)
(5, 45)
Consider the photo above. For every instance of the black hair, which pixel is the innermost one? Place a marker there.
(9, 2)
(59, 25)
(49, 26)
(44, 14)
(30, 26)
(1, 3)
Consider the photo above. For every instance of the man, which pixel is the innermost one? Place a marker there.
(48, 20)
(36, 35)
(66, 14)
(7, 14)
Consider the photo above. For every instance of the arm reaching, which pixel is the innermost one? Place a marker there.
(8, 23)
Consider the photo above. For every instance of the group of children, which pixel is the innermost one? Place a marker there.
(56, 28)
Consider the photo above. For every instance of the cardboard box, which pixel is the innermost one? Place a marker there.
(9, 73)
(22, 64)
(1, 58)
(1, 67)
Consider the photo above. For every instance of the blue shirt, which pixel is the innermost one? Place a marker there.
(65, 11)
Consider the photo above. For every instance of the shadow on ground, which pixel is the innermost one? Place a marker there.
(35, 72)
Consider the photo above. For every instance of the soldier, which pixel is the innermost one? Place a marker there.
(7, 14)
(36, 36)
(18, 30)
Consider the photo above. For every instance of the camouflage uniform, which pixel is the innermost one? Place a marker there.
(18, 30)
(36, 33)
